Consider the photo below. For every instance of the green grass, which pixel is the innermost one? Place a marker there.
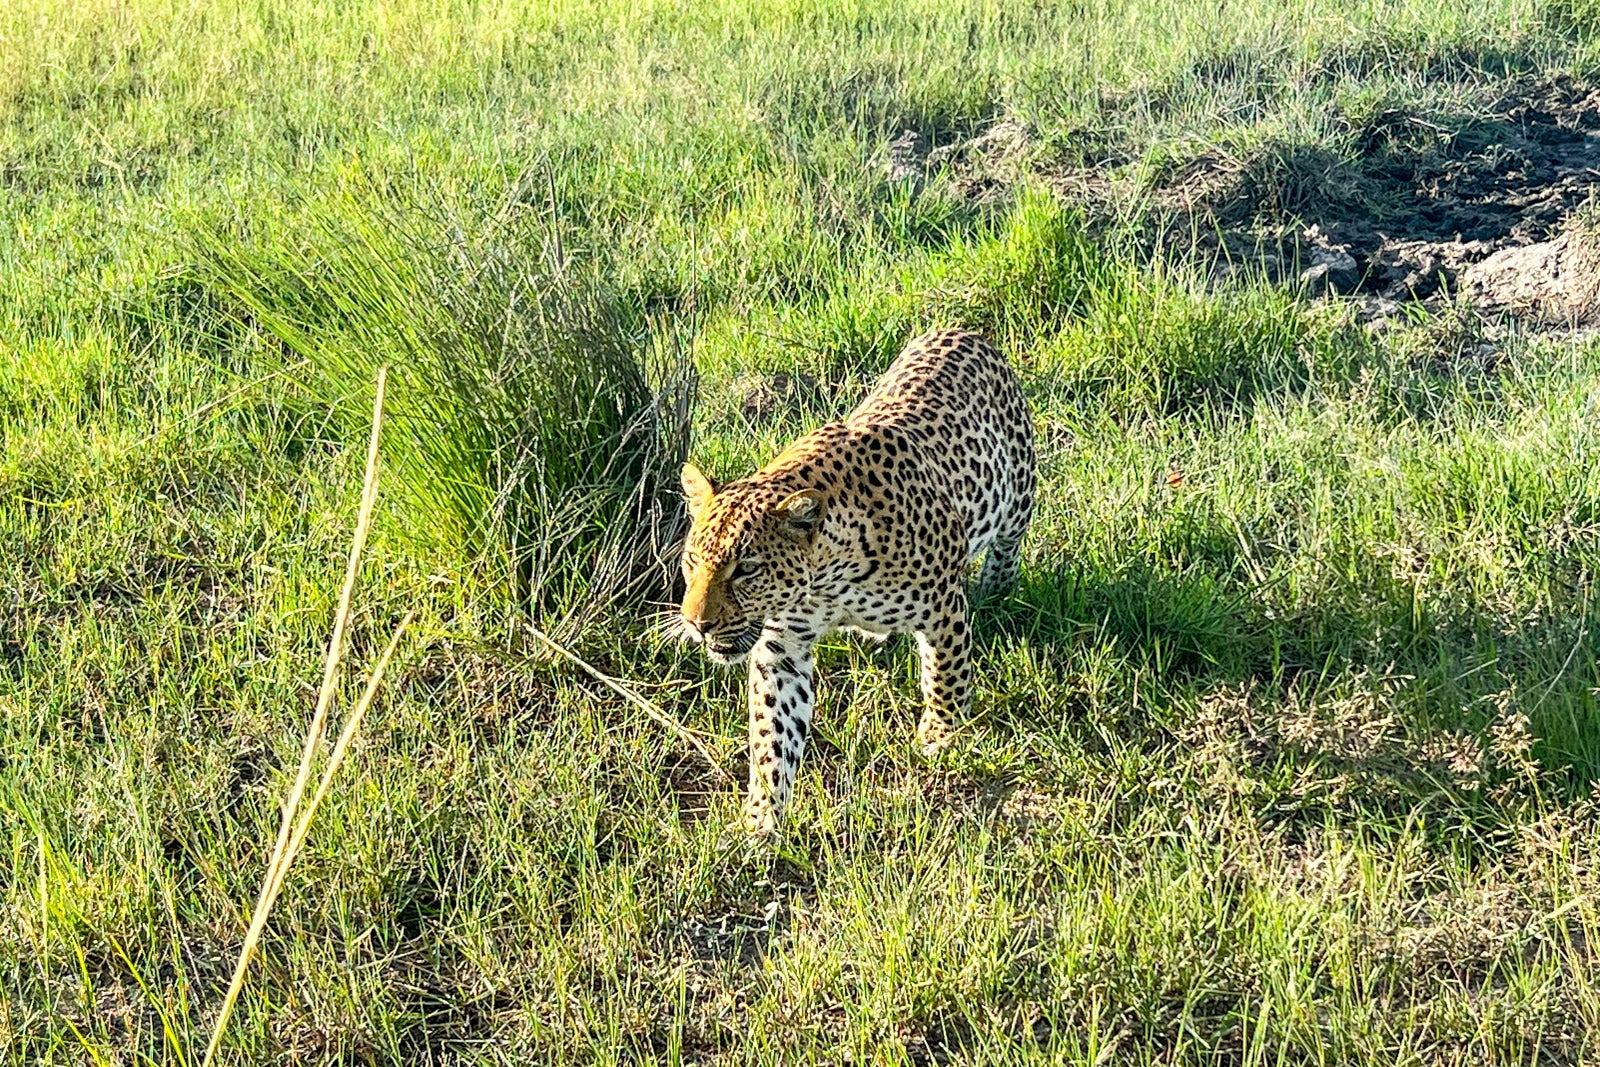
(531, 432)
(1287, 743)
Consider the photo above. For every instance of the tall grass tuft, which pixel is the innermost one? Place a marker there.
(537, 425)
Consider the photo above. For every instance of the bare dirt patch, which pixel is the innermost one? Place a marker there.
(1552, 282)
(1490, 207)
(1483, 208)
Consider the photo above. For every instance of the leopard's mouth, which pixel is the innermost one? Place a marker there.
(728, 650)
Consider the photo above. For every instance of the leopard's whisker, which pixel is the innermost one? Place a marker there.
(690, 737)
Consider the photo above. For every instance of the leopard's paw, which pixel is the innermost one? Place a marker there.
(760, 817)
(933, 735)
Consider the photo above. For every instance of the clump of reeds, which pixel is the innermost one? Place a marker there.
(537, 425)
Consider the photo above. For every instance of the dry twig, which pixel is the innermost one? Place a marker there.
(295, 822)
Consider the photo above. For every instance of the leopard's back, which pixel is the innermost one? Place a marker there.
(960, 404)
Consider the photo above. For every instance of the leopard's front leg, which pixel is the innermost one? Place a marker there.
(945, 645)
(782, 695)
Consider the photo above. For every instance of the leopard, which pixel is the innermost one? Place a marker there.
(872, 525)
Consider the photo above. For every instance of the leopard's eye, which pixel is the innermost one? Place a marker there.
(745, 568)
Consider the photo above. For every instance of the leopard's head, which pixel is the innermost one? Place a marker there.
(747, 558)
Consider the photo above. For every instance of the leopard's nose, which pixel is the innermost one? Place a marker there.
(695, 629)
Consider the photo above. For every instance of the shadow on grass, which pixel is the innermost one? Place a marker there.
(1371, 697)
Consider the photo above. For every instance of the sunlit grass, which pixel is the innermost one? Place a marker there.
(1286, 742)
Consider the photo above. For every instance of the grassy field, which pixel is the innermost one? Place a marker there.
(1286, 748)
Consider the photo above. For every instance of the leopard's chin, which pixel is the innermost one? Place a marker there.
(729, 651)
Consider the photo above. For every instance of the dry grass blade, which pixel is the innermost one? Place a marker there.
(346, 736)
(292, 830)
(633, 697)
(341, 618)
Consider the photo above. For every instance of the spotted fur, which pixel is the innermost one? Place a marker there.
(867, 524)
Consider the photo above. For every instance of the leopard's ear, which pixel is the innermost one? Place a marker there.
(697, 488)
(800, 514)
